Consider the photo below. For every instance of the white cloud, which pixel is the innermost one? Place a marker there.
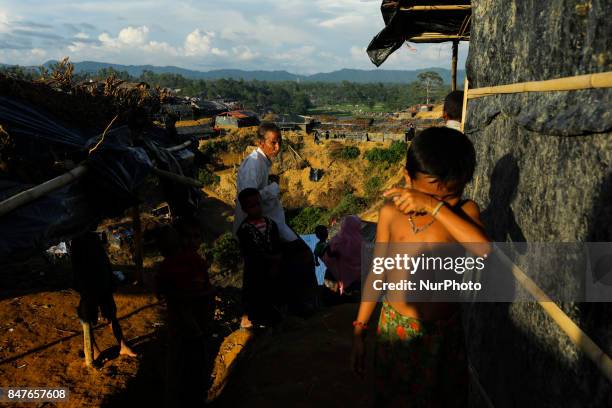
(244, 53)
(341, 21)
(198, 43)
(133, 35)
(297, 35)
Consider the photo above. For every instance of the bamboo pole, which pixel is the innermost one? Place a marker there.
(179, 147)
(40, 190)
(450, 7)
(580, 339)
(137, 256)
(588, 81)
(87, 344)
(466, 85)
(438, 37)
(454, 65)
(177, 178)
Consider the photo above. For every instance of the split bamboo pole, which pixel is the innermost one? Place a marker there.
(466, 86)
(40, 190)
(580, 339)
(179, 147)
(87, 344)
(449, 7)
(589, 81)
(177, 178)
(137, 256)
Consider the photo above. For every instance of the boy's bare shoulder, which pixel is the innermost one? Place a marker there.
(388, 212)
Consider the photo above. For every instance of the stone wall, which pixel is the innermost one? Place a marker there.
(544, 175)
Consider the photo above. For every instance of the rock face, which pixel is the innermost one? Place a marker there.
(544, 175)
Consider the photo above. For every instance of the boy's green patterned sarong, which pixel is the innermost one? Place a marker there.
(419, 364)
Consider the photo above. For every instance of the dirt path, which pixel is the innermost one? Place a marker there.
(304, 363)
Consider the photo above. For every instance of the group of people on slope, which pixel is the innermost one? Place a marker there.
(420, 354)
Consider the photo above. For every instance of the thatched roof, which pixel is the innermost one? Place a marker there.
(420, 21)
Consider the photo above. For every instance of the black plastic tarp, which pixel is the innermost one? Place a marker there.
(401, 25)
(118, 166)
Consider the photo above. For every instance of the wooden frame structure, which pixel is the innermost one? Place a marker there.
(463, 34)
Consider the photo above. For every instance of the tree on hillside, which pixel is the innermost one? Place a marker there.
(429, 80)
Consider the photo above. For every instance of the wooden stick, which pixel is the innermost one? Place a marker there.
(580, 339)
(179, 147)
(601, 80)
(454, 65)
(437, 8)
(87, 345)
(441, 37)
(466, 85)
(40, 190)
(137, 256)
(177, 178)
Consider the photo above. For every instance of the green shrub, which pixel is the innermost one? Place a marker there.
(212, 148)
(387, 156)
(307, 219)
(350, 204)
(346, 153)
(372, 186)
(207, 177)
(226, 252)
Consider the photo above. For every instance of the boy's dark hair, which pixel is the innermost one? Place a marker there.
(321, 231)
(246, 193)
(453, 105)
(443, 153)
(266, 127)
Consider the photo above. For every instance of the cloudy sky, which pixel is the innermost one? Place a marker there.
(300, 36)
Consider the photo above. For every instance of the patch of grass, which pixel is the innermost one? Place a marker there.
(213, 148)
(372, 186)
(387, 156)
(207, 177)
(350, 204)
(307, 219)
(346, 153)
(225, 252)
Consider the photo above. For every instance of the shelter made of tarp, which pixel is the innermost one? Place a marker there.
(419, 21)
(117, 167)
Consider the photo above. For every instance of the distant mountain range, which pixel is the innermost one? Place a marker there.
(351, 75)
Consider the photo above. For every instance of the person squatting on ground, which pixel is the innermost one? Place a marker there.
(95, 283)
(260, 245)
(343, 255)
(184, 284)
(420, 356)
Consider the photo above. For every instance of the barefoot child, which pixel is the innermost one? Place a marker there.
(93, 279)
(260, 245)
(420, 357)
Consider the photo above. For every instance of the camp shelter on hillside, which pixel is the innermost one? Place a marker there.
(69, 159)
(433, 21)
(236, 119)
(294, 122)
(211, 108)
(198, 132)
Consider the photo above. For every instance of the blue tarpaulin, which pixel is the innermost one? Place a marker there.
(311, 240)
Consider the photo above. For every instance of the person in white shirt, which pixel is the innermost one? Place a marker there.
(453, 107)
(254, 172)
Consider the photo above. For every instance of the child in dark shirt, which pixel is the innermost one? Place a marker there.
(260, 245)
